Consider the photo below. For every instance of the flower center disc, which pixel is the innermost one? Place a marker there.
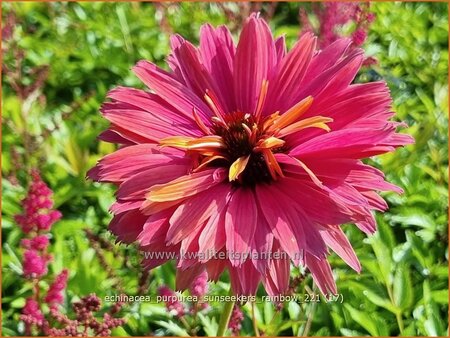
(238, 143)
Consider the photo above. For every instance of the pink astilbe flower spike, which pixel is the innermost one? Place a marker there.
(173, 305)
(248, 158)
(199, 286)
(34, 264)
(236, 319)
(37, 207)
(38, 243)
(31, 313)
(55, 295)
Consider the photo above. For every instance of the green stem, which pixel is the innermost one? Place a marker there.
(255, 324)
(398, 315)
(225, 318)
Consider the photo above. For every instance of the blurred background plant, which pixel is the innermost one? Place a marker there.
(60, 59)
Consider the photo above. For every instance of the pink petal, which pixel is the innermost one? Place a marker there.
(187, 185)
(192, 213)
(276, 281)
(339, 243)
(184, 278)
(189, 250)
(157, 108)
(283, 89)
(244, 279)
(262, 243)
(126, 136)
(374, 200)
(119, 206)
(155, 228)
(195, 74)
(254, 61)
(240, 223)
(127, 226)
(280, 46)
(327, 58)
(137, 186)
(304, 228)
(131, 160)
(352, 143)
(215, 268)
(171, 90)
(157, 254)
(139, 122)
(328, 211)
(322, 274)
(217, 51)
(213, 236)
(275, 212)
(112, 136)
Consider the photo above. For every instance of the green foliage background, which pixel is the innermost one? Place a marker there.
(89, 48)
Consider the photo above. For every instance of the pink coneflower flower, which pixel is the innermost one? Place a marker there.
(248, 150)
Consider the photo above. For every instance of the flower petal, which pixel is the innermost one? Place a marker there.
(254, 61)
(339, 243)
(237, 167)
(171, 90)
(187, 185)
(240, 224)
(322, 274)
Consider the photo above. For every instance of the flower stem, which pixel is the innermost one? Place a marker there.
(225, 318)
(255, 324)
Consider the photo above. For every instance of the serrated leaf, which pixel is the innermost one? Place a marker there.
(402, 288)
(210, 324)
(172, 328)
(363, 319)
(380, 301)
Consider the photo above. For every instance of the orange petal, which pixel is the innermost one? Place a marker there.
(261, 99)
(316, 122)
(213, 103)
(208, 160)
(175, 141)
(238, 167)
(200, 122)
(311, 174)
(292, 114)
(186, 186)
(269, 120)
(190, 143)
(269, 143)
(272, 164)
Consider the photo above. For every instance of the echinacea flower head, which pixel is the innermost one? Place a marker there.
(251, 152)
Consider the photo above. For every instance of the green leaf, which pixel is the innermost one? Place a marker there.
(172, 328)
(210, 324)
(403, 289)
(433, 325)
(380, 301)
(363, 319)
